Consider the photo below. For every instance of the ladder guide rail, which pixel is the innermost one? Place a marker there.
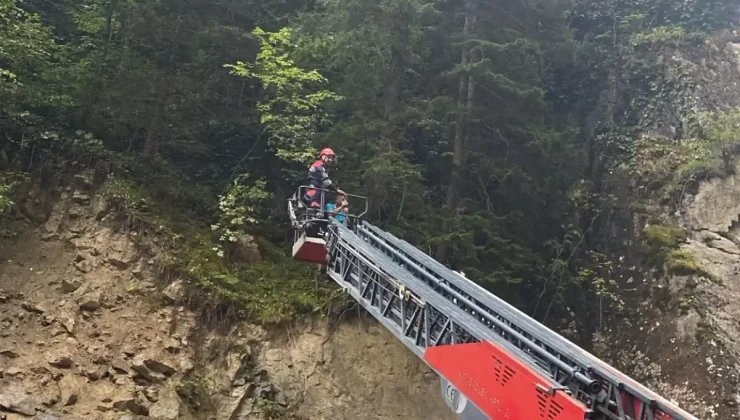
(489, 318)
(414, 314)
(426, 305)
(606, 399)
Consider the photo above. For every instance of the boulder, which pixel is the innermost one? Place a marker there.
(119, 262)
(83, 266)
(159, 367)
(30, 307)
(81, 198)
(10, 354)
(13, 371)
(49, 395)
(120, 366)
(47, 320)
(45, 416)
(173, 292)
(63, 362)
(51, 226)
(68, 321)
(245, 250)
(128, 351)
(151, 394)
(172, 345)
(75, 213)
(131, 404)
(70, 387)
(13, 399)
(100, 207)
(40, 370)
(71, 285)
(167, 406)
(232, 405)
(83, 181)
(90, 301)
(94, 374)
(142, 370)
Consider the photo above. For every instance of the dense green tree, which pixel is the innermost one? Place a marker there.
(483, 132)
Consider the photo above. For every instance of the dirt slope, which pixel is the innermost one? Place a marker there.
(86, 333)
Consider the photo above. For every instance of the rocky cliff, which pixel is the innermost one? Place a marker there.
(674, 242)
(89, 329)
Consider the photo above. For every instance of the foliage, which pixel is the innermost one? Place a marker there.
(195, 392)
(721, 138)
(9, 183)
(267, 292)
(273, 291)
(664, 251)
(662, 241)
(488, 134)
(5, 200)
(27, 52)
(661, 238)
(634, 53)
(237, 209)
(290, 110)
(682, 263)
(673, 167)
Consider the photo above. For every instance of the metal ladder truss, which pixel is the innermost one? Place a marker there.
(419, 320)
(425, 305)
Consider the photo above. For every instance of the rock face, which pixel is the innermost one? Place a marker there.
(326, 372)
(344, 386)
(716, 206)
(69, 329)
(712, 214)
(79, 339)
(711, 218)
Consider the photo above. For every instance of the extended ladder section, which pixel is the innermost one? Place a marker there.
(495, 361)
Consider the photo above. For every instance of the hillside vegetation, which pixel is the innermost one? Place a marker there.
(490, 134)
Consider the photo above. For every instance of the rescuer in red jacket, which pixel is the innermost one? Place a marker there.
(318, 177)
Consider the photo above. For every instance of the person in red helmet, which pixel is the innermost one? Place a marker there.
(318, 177)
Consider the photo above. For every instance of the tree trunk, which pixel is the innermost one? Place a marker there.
(97, 86)
(465, 97)
(391, 100)
(152, 134)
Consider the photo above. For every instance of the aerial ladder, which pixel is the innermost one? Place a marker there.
(494, 361)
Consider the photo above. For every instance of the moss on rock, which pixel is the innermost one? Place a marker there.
(658, 236)
(662, 241)
(664, 251)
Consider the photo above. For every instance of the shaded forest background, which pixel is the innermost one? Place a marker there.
(487, 133)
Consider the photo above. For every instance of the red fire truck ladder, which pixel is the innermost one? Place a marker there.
(495, 362)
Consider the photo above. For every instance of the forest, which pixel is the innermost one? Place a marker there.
(491, 134)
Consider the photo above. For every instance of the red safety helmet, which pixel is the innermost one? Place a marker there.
(326, 152)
